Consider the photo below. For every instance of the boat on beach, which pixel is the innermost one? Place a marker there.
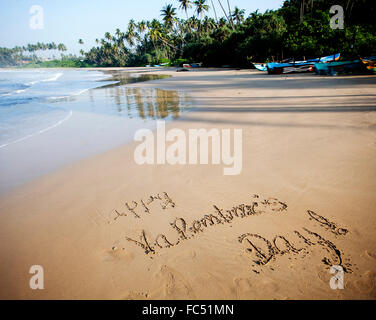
(260, 66)
(299, 66)
(192, 65)
(358, 66)
(285, 68)
(370, 63)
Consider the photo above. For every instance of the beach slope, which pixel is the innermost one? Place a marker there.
(107, 228)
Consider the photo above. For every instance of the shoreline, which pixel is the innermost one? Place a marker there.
(306, 145)
(97, 122)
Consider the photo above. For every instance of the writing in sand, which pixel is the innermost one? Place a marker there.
(187, 230)
(262, 251)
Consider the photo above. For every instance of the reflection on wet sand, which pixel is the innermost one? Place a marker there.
(121, 100)
(148, 103)
(122, 78)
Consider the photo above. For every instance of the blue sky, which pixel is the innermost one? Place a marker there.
(67, 21)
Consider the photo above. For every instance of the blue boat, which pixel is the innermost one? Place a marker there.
(260, 67)
(341, 68)
(331, 58)
(298, 66)
(295, 67)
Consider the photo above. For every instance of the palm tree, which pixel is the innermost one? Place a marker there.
(168, 13)
(141, 26)
(192, 23)
(61, 47)
(185, 5)
(222, 22)
(80, 41)
(208, 24)
(238, 15)
(118, 33)
(154, 32)
(132, 24)
(129, 37)
(201, 7)
(108, 36)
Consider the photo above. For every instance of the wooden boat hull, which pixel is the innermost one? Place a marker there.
(298, 66)
(291, 68)
(370, 63)
(340, 68)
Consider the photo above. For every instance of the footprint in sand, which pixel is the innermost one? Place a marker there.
(370, 255)
(173, 285)
(324, 276)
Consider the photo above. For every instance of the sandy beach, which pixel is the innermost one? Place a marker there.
(108, 228)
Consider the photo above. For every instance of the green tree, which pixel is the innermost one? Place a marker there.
(224, 11)
(169, 16)
(238, 15)
(185, 5)
(201, 8)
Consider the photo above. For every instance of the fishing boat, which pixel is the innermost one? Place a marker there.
(370, 63)
(342, 67)
(298, 66)
(294, 67)
(334, 57)
(260, 67)
(192, 65)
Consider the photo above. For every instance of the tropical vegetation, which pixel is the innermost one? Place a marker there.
(27, 54)
(300, 29)
(217, 33)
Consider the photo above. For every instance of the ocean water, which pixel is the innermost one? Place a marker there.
(50, 118)
(27, 99)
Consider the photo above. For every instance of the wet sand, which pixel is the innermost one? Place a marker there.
(97, 120)
(107, 228)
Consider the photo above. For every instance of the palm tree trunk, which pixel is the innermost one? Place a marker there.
(215, 12)
(348, 3)
(302, 10)
(230, 13)
(224, 11)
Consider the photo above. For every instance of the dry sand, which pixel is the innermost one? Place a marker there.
(307, 191)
